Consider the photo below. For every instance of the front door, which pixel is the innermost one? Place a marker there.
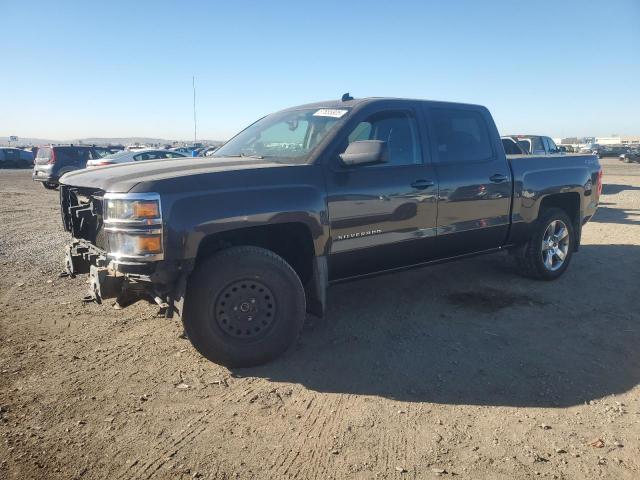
(382, 216)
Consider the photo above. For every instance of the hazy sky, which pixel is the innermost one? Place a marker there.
(106, 69)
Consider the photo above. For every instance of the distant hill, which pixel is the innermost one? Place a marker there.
(104, 141)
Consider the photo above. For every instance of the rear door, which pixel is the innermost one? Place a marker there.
(382, 216)
(474, 198)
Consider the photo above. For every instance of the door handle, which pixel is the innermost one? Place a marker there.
(422, 184)
(498, 178)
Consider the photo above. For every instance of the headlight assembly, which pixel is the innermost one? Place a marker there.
(133, 223)
(129, 210)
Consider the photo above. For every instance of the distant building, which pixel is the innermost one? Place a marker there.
(619, 140)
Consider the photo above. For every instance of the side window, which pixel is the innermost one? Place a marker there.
(553, 148)
(85, 154)
(400, 132)
(536, 145)
(460, 135)
(148, 156)
(66, 155)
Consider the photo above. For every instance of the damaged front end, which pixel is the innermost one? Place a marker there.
(118, 240)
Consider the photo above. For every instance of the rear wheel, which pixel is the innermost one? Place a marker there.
(548, 252)
(244, 306)
(49, 186)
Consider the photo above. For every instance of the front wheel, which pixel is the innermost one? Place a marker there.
(548, 252)
(49, 186)
(244, 307)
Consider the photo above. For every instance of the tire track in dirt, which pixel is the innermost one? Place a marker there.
(314, 442)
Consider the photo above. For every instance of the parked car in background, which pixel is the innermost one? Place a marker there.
(126, 156)
(205, 151)
(613, 150)
(15, 158)
(55, 160)
(242, 244)
(188, 150)
(632, 155)
(593, 148)
(536, 144)
(511, 147)
(109, 149)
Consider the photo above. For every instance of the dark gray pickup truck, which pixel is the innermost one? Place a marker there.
(240, 245)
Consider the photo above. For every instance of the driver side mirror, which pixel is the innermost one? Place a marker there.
(365, 152)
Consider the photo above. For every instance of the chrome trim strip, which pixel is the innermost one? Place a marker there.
(138, 222)
(134, 231)
(132, 196)
(149, 257)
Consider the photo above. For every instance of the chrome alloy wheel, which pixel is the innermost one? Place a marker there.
(555, 245)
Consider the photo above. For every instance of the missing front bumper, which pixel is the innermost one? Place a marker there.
(162, 283)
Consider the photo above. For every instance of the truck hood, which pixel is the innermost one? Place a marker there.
(122, 178)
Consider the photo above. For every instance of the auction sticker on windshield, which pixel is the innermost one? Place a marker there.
(330, 112)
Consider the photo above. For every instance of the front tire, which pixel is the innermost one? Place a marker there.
(49, 186)
(548, 252)
(244, 307)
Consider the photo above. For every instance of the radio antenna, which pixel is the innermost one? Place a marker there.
(195, 124)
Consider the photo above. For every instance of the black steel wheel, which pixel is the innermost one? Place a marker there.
(244, 306)
(246, 309)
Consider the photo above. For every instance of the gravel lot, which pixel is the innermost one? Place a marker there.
(463, 369)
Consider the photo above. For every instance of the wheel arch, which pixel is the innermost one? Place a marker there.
(293, 241)
(569, 202)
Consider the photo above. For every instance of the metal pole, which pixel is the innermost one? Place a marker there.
(195, 131)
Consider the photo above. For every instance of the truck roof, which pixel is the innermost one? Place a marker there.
(336, 103)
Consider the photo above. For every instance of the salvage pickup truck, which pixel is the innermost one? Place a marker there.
(242, 244)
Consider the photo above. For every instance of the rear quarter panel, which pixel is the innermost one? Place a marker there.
(537, 177)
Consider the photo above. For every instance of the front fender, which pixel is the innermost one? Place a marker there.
(190, 218)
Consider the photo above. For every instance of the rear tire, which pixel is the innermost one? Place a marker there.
(548, 252)
(49, 186)
(244, 307)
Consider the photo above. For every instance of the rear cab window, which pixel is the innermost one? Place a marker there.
(511, 147)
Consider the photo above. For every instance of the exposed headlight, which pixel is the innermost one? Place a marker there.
(133, 223)
(121, 209)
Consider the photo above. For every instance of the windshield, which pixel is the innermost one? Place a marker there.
(289, 136)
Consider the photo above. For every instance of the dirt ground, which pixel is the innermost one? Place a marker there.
(464, 370)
